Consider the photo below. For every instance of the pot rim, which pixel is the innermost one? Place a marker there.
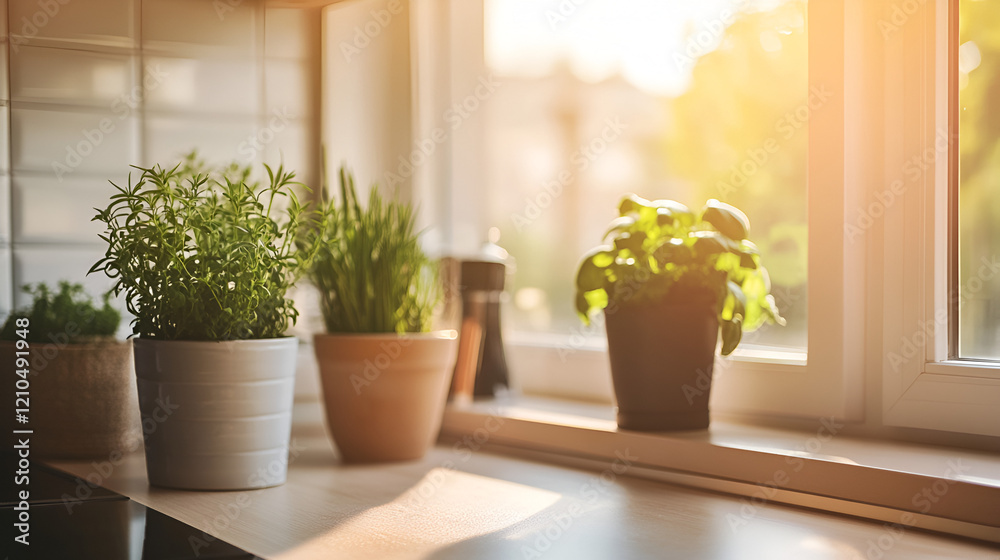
(443, 334)
(285, 340)
(78, 345)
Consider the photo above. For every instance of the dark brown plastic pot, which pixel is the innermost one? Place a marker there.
(662, 355)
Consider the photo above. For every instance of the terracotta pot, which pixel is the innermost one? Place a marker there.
(662, 356)
(385, 393)
(82, 399)
(217, 415)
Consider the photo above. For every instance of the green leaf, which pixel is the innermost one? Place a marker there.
(707, 243)
(631, 203)
(620, 225)
(735, 304)
(582, 307)
(631, 241)
(727, 219)
(732, 333)
(672, 251)
(596, 299)
(678, 212)
(592, 274)
(589, 302)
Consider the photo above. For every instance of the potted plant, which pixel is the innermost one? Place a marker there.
(668, 283)
(77, 392)
(385, 376)
(204, 258)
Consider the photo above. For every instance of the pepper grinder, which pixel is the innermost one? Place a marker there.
(481, 352)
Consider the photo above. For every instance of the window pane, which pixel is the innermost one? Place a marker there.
(667, 99)
(979, 176)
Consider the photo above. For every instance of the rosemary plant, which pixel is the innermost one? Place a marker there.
(370, 270)
(200, 255)
(67, 315)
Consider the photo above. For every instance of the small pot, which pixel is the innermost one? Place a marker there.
(662, 356)
(385, 393)
(82, 398)
(216, 415)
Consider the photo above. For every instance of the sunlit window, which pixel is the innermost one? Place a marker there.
(667, 99)
(979, 175)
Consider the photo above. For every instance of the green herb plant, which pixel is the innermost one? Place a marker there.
(68, 315)
(372, 275)
(658, 248)
(203, 253)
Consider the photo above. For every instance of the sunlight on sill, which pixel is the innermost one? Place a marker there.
(770, 355)
(415, 522)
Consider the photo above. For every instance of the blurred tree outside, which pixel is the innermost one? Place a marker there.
(979, 178)
(737, 132)
(740, 135)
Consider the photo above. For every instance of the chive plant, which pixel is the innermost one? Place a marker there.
(204, 253)
(372, 275)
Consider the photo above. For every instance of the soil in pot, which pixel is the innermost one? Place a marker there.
(384, 393)
(82, 399)
(217, 415)
(662, 354)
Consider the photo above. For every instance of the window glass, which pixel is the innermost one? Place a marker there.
(667, 99)
(979, 180)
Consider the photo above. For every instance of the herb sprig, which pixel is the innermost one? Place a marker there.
(199, 253)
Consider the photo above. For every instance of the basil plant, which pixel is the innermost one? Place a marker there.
(657, 247)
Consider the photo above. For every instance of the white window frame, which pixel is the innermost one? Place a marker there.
(828, 381)
(926, 390)
(867, 294)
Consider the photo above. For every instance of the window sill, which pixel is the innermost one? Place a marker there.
(935, 488)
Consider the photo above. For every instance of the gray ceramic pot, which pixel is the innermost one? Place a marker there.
(216, 415)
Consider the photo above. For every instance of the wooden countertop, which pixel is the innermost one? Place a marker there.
(464, 504)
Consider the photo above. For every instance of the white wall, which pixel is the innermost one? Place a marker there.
(161, 77)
